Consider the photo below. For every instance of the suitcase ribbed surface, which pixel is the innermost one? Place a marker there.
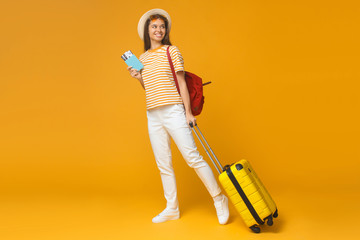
(254, 190)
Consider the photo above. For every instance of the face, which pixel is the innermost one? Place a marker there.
(157, 30)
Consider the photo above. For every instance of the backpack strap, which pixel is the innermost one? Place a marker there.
(172, 68)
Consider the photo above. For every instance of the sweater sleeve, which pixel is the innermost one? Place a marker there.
(177, 59)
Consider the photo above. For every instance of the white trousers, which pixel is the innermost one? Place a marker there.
(170, 121)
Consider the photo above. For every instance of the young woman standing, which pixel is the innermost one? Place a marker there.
(169, 113)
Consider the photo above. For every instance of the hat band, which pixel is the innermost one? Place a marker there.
(157, 16)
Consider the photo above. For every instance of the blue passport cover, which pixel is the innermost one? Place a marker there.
(134, 62)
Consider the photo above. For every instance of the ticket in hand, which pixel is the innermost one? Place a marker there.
(132, 61)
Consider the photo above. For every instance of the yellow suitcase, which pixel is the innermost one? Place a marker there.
(245, 190)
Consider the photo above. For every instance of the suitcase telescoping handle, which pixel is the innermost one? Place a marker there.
(207, 144)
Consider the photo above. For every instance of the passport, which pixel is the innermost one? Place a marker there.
(132, 61)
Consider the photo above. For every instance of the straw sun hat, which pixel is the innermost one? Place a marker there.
(141, 24)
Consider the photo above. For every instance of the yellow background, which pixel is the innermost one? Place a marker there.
(76, 161)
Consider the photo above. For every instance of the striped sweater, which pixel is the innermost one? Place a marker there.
(160, 88)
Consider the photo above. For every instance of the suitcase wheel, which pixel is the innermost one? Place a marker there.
(275, 214)
(270, 221)
(255, 229)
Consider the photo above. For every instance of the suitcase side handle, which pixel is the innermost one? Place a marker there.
(206, 150)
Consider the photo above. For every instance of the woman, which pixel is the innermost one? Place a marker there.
(169, 114)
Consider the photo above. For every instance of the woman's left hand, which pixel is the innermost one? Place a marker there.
(190, 119)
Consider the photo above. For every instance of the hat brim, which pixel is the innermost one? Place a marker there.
(141, 24)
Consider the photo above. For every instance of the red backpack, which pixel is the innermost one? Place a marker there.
(194, 85)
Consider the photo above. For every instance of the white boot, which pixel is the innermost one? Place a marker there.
(222, 208)
(167, 214)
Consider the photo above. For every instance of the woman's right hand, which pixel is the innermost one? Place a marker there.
(134, 73)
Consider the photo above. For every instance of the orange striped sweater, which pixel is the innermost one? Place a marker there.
(160, 88)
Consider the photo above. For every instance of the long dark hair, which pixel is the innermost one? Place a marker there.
(166, 39)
